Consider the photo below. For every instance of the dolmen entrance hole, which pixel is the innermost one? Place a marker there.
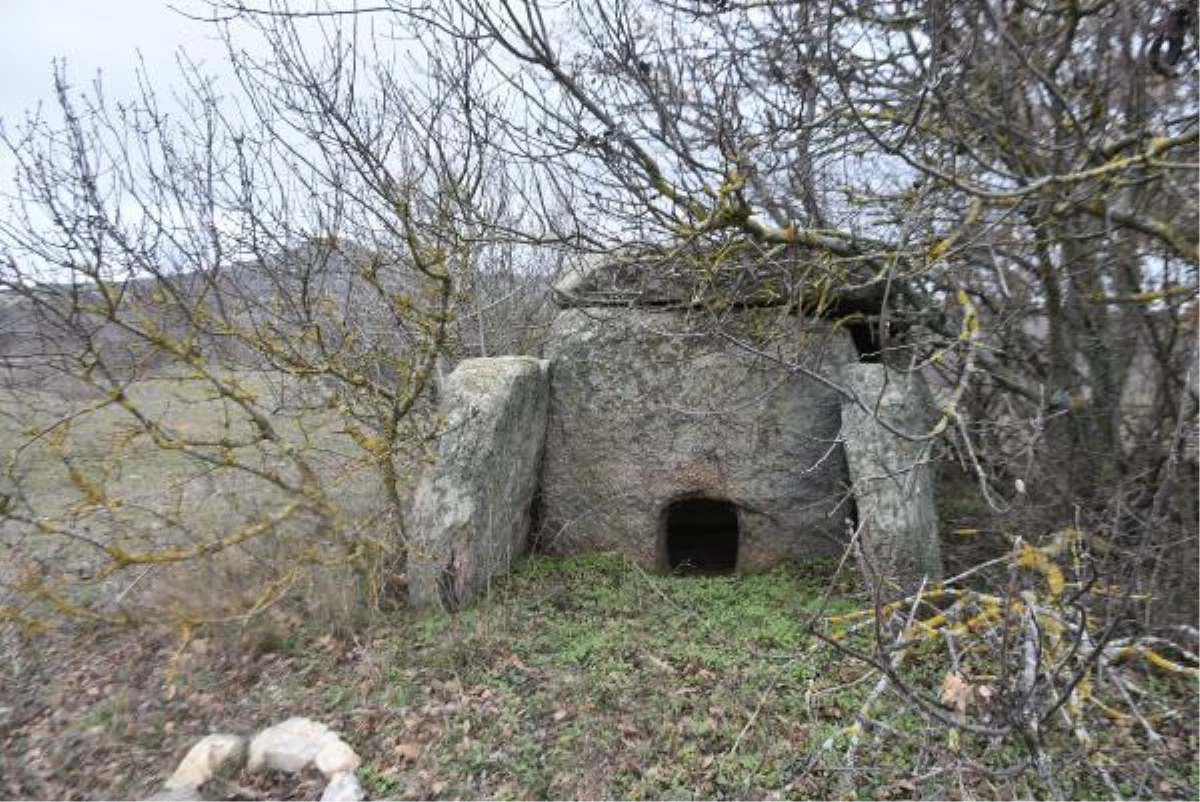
(701, 536)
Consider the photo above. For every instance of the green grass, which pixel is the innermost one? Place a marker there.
(589, 678)
(651, 677)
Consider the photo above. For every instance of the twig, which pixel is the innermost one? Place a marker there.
(864, 712)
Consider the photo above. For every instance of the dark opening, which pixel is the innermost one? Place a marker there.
(537, 515)
(869, 327)
(702, 537)
(866, 339)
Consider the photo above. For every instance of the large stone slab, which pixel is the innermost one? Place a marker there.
(695, 276)
(471, 514)
(649, 407)
(884, 431)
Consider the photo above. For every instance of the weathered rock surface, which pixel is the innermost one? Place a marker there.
(892, 476)
(291, 747)
(211, 754)
(649, 407)
(759, 276)
(471, 514)
(343, 787)
(295, 744)
(336, 757)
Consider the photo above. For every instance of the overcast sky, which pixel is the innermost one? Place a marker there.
(93, 35)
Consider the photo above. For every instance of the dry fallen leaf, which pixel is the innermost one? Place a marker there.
(956, 692)
(408, 751)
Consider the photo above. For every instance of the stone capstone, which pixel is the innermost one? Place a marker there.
(696, 277)
(471, 513)
(886, 427)
(651, 406)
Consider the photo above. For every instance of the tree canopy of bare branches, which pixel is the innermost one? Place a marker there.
(223, 314)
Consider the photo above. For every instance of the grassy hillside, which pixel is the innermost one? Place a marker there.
(176, 466)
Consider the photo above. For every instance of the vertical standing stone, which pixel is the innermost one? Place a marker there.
(892, 476)
(471, 515)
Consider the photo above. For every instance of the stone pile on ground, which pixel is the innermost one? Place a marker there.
(291, 747)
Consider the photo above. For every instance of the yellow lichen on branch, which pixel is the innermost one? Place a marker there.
(122, 558)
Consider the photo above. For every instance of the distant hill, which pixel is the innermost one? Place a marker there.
(353, 304)
(332, 297)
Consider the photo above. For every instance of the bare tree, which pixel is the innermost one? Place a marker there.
(262, 296)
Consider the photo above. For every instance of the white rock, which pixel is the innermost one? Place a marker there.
(336, 757)
(210, 755)
(343, 788)
(289, 747)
